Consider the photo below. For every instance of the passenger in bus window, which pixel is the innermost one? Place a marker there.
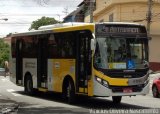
(122, 52)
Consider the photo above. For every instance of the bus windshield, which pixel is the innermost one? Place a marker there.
(121, 53)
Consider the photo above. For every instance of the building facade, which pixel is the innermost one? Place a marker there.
(133, 11)
(77, 15)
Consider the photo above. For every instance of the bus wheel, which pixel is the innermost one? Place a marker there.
(69, 92)
(116, 99)
(28, 85)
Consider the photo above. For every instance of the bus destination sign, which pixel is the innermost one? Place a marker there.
(103, 29)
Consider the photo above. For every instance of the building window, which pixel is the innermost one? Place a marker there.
(111, 17)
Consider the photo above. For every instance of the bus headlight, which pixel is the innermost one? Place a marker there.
(101, 81)
(98, 79)
(105, 83)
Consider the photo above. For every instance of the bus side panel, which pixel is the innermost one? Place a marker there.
(13, 70)
(30, 65)
(62, 68)
(50, 74)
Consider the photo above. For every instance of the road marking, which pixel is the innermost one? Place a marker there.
(16, 94)
(12, 91)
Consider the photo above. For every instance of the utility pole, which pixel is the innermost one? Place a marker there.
(149, 15)
(91, 10)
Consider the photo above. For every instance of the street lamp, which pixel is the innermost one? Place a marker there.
(4, 19)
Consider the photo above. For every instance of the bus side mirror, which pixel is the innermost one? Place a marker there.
(92, 44)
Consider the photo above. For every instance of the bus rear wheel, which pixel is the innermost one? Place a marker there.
(69, 92)
(28, 88)
(116, 99)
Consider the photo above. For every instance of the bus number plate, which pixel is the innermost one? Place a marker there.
(127, 90)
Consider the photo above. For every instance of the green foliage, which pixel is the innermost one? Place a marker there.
(4, 52)
(43, 21)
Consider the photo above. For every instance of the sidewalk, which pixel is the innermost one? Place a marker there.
(8, 106)
(155, 74)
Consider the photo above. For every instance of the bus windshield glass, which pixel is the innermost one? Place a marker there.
(121, 53)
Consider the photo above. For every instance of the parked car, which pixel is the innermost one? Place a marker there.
(156, 87)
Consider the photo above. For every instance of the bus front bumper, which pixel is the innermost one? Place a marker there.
(101, 90)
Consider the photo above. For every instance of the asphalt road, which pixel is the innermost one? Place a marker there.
(49, 103)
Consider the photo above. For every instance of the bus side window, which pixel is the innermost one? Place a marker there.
(68, 45)
(30, 46)
(65, 44)
(13, 45)
(52, 46)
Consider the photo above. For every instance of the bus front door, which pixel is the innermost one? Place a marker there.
(19, 62)
(83, 61)
(42, 62)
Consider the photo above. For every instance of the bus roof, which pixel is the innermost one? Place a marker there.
(59, 25)
(56, 28)
(71, 26)
(34, 32)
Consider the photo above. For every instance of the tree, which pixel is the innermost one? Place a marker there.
(43, 21)
(4, 52)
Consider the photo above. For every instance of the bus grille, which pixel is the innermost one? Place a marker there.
(136, 88)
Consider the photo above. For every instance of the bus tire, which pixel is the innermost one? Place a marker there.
(116, 99)
(28, 87)
(69, 91)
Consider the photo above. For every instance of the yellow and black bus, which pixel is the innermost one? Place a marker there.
(92, 59)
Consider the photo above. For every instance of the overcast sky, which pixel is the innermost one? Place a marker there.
(21, 13)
